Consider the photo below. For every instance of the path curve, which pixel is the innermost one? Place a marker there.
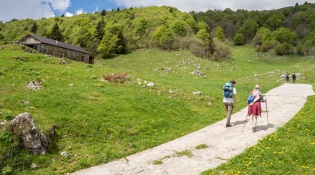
(284, 102)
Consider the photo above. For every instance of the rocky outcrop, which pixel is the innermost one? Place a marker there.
(31, 138)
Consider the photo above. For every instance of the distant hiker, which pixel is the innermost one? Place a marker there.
(293, 77)
(229, 100)
(254, 108)
(287, 77)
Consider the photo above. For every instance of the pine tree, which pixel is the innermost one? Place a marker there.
(34, 28)
(55, 33)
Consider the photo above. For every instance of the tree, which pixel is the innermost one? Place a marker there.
(262, 35)
(139, 25)
(219, 33)
(164, 37)
(1, 36)
(99, 33)
(179, 27)
(299, 18)
(34, 28)
(230, 30)
(103, 13)
(239, 39)
(249, 29)
(275, 21)
(284, 35)
(113, 41)
(55, 33)
(209, 46)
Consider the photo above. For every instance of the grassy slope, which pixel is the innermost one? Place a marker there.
(99, 122)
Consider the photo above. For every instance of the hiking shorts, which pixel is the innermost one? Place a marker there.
(254, 109)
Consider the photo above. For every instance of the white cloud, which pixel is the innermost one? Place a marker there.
(60, 5)
(68, 14)
(23, 9)
(79, 12)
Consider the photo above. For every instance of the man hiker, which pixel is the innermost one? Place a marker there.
(229, 100)
(293, 77)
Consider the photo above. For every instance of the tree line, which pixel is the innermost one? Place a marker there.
(287, 30)
(206, 34)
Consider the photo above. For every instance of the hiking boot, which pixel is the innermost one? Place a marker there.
(228, 125)
(253, 129)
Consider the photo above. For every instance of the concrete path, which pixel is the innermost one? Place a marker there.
(284, 102)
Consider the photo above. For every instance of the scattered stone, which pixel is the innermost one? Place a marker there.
(198, 72)
(34, 166)
(150, 84)
(197, 93)
(3, 122)
(25, 102)
(2, 47)
(63, 62)
(22, 126)
(35, 85)
(63, 153)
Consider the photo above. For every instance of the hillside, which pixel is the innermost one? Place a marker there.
(105, 34)
(98, 121)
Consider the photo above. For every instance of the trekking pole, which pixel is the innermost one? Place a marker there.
(245, 122)
(267, 111)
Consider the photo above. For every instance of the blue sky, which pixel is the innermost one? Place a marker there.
(36, 9)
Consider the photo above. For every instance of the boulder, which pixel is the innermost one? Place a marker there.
(23, 128)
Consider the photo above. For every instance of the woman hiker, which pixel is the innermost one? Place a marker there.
(254, 108)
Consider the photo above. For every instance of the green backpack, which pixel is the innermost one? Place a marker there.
(228, 90)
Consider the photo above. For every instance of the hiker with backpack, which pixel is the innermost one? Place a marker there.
(229, 100)
(254, 107)
(287, 77)
(293, 77)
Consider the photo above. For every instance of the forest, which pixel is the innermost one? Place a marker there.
(207, 34)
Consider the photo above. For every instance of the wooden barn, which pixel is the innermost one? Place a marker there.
(56, 48)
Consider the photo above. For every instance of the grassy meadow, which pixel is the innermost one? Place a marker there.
(98, 121)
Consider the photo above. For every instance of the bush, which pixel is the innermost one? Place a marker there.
(288, 48)
(279, 49)
(116, 78)
(222, 51)
(239, 39)
(304, 49)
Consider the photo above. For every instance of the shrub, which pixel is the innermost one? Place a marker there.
(279, 49)
(288, 48)
(116, 78)
(194, 45)
(222, 51)
(239, 39)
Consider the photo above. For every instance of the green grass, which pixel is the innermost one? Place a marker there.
(98, 121)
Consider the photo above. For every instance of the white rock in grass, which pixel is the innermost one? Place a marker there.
(197, 93)
(64, 153)
(3, 122)
(151, 84)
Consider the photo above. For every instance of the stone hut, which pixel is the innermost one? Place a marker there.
(56, 48)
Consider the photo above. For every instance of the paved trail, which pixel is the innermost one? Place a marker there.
(223, 143)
